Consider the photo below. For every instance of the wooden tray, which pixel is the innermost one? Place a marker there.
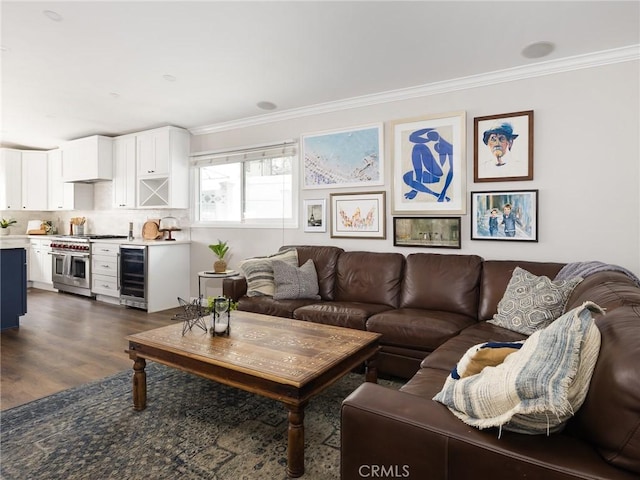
(150, 230)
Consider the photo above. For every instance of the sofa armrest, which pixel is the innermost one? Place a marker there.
(386, 432)
(234, 287)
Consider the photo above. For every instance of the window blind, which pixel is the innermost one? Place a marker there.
(285, 149)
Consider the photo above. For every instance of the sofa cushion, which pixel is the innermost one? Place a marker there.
(451, 281)
(369, 277)
(425, 330)
(447, 355)
(325, 259)
(496, 275)
(531, 302)
(536, 389)
(259, 272)
(339, 314)
(295, 282)
(610, 416)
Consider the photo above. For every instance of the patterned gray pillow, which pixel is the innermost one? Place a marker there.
(295, 282)
(531, 302)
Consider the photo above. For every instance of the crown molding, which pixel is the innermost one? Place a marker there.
(551, 67)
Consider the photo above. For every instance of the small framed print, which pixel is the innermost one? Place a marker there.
(510, 215)
(358, 215)
(315, 215)
(433, 232)
(503, 147)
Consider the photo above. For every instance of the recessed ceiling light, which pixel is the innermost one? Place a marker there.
(51, 15)
(169, 78)
(3, 48)
(114, 94)
(538, 49)
(266, 105)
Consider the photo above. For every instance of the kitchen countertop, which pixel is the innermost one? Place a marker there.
(14, 241)
(139, 241)
(22, 241)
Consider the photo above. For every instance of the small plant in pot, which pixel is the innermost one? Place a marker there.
(5, 224)
(220, 249)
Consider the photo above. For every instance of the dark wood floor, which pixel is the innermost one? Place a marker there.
(66, 340)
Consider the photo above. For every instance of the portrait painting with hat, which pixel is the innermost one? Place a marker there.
(503, 148)
(499, 139)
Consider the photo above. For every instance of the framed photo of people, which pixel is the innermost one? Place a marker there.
(429, 165)
(510, 215)
(503, 147)
(359, 215)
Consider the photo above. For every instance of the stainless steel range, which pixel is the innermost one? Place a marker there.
(71, 257)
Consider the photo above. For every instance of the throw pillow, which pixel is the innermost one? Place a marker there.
(259, 272)
(531, 302)
(295, 282)
(535, 389)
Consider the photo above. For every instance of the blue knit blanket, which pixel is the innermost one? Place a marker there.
(584, 269)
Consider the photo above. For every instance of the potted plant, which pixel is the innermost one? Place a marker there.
(220, 249)
(4, 223)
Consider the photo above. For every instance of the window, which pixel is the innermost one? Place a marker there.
(253, 187)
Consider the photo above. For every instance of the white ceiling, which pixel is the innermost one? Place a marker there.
(100, 69)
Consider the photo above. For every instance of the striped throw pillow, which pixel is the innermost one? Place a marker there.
(259, 272)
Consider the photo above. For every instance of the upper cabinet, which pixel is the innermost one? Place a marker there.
(35, 180)
(88, 159)
(66, 196)
(10, 179)
(162, 159)
(124, 172)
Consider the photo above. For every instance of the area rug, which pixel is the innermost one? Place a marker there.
(192, 428)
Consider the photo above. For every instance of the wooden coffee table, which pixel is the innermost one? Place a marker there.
(279, 358)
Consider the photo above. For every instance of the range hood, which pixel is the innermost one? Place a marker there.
(88, 160)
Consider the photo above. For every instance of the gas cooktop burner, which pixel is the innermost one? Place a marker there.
(89, 237)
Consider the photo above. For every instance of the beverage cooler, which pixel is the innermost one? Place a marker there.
(133, 276)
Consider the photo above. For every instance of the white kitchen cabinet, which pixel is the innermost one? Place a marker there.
(162, 159)
(35, 181)
(88, 159)
(66, 196)
(124, 172)
(10, 179)
(104, 271)
(168, 274)
(40, 263)
(153, 156)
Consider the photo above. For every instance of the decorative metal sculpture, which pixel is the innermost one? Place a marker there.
(192, 315)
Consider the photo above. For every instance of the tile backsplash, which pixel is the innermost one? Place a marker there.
(103, 219)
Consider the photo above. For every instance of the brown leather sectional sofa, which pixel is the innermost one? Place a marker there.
(430, 309)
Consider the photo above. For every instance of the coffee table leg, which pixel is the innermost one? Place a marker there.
(371, 374)
(139, 384)
(295, 449)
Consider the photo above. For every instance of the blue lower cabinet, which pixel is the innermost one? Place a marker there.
(13, 286)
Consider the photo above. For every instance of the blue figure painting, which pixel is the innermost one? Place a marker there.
(429, 169)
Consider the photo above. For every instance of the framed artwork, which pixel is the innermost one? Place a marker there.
(343, 158)
(510, 215)
(315, 215)
(503, 147)
(441, 232)
(429, 165)
(360, 215)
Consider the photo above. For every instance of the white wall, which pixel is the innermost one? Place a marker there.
(586, 168)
